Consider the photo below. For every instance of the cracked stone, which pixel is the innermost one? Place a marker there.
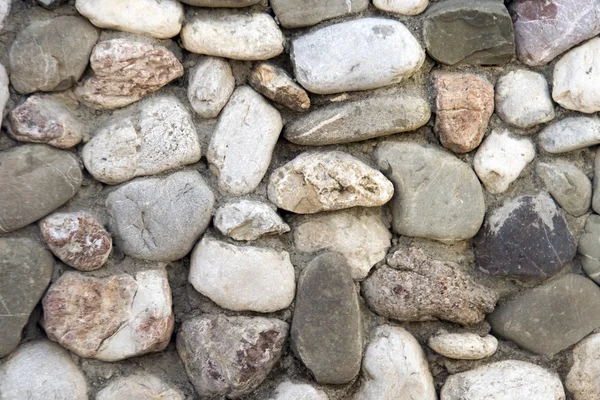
(463, 346)
(139, 387)
(572, 133)
(275, 83)
(210, 86)
(248, 220)
(294, 14)
(569, 186)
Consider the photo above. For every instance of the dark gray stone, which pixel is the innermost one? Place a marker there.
(299, 13)
(589, 247)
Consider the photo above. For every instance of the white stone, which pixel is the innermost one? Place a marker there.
(523, 99)
(242, 278)
(243, 141)
(570, 134)
(504, 380)
(248, 220)
(357, 234)
(4, 11)
(288, 390)
(501, 158)
(463, 346)
(395, 367)
(139, 387)
(160, 19)
(583, 380)
(4, 93)
(362, 54)
(404, 7)
(210, 85)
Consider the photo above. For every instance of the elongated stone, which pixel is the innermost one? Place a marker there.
(463, 346)
(294, 14)
(275, 83)
(138, 387)
(589, 247)
(572, 133)
(211, 84)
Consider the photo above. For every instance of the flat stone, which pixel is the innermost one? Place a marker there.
(569, 186)
(210, 86)
(26, 268)
(362, 54)
(248, 220)
(139, 387)
(159, 19)
(242, 143)
(572, 133)
(583, 380)
(42, 370)
(221, 3)
(126, 70)
(275, 83)
(463, 346)
(154, 136)
(327, 308)
(327, 181)
(288, 390)
(417, 288)
(504, 380)
(46, 178)
(353, 121)
(230, 356)
(464, 103)
(160, 219)
(242, 278)
(501, 158)
(292, 14)
(111, 318)
(526, 237)
(232, 34)
(403, 7)
(4, 93)
(51, 55)
(358, 234)
(589, 249)
(551, 317)
(437, 196)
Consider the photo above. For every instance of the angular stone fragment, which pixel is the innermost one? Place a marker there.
(139, 387)
(362, 54)
(463, 346)
(569, 186)
(248, 220)
(572, 133)
(275, 83)
(294, 14)
(327, 308)
(4, 93)
(210, 85)
(334, 180)
(230, 356)
(583, 380)
(403, 7)
(221, 3)
(589, 247)
(288, 390)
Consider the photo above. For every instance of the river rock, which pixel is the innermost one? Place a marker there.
(569, 186)
(327, 308)
(51, 4)
(4, 93)
(292, 14)
(589, 247)
(572, 133)
(210, 86)
(288, 390)
(248, 220)
(463, 346)
(275, 83)
(437, 195)
(403, 7)
(139, 387)
(160, 219)
(221, 3)
(327, 181)
(583, 380)
(4, 11)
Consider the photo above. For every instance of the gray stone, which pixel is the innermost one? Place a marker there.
(596, 196)
(248, 220)
(221, 3)
(4, 11)
(583, 380)
(297, 14)
(569, 186)
(51, 4)
(288, 390)
(139, 387)
(326, 329)
(572, 133)
(210, 86)
(589, 247)
(275, 83)
(4, 93)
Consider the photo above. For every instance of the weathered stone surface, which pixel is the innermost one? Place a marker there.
(42, 179)
(139, 387)
(126, 70)
(352, 121)
(569, 186)
(417, 288)
(551, 317)
(110, 319)
(395, 367)
(210, 85)
(242, 143)
(504, 380)
(334, 180)
(589, 247)
(51, 55)
(437, 196)
(221, 3)
(242, 277)
(327, 308)
(275, 83)
(160, 19)
(465, 103)
(42, 370)
(358, 234)
(404, 7)
(501, 158)
(248, 220)
(572, 133)
(232, 34)
(288, 390)
(583, 380)
(26, 268)
(355, 55)
(155, 136)
(50, 4)
(230, 356)
(4, 93)
(4, 11)
(160, 219)
(294, 14)
(526, 237)
(463, 346)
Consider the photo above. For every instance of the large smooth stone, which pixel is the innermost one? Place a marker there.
(139, 387)
(211, 83)
(297, 14)
(572, 133)
(570, 187)
(583, 380)
(589, 247)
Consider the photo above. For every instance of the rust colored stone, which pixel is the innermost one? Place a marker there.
(277, 85)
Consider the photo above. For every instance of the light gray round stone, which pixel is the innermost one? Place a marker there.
(211, 83)
(596, 196)
(572, 133)
(4, 93)
(583, 380)
(569, 186)
(589, 247)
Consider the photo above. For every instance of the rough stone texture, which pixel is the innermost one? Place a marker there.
(110, 319)
(160, 219)
(42, 370)
(288, 390)
(232, 34)
(327, 181)
(551, 317)
(275, 83)
(43, 179)
(501, 158)
(221, 3)
(464, 103)
(242, 277)
(160, 19)
(403, 7)
(484, 27)
(417, 288)
(437, 196)
(4, 93)
(248, 220)
(210, 86)
(358, 234)
(526, 237)
(155, 136)
(504, 380)
(352, 121)
(230, 356)
(583, 380)
(26, 268)
(51, 55)
(126, 70)
(294, 14)
(395, 367)
(4, 11)
(139, 387)
(327, 308)
(78, 239)
(589, 247)
(572, 133)
(355, 55)
(463, 346)
(242, 143)
(569, 186)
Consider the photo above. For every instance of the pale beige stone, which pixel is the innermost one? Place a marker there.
(463, 346)
(139, 387)
(583, 380)
(274, 83)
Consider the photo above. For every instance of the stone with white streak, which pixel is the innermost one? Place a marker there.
(583, 380)
(210, 85)
(403, 7)
(288, 390)
(463, 346)
(275, 83)
(4, 93)
(572, 133)
(139, 387)
(569, 186)
(248, 220)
